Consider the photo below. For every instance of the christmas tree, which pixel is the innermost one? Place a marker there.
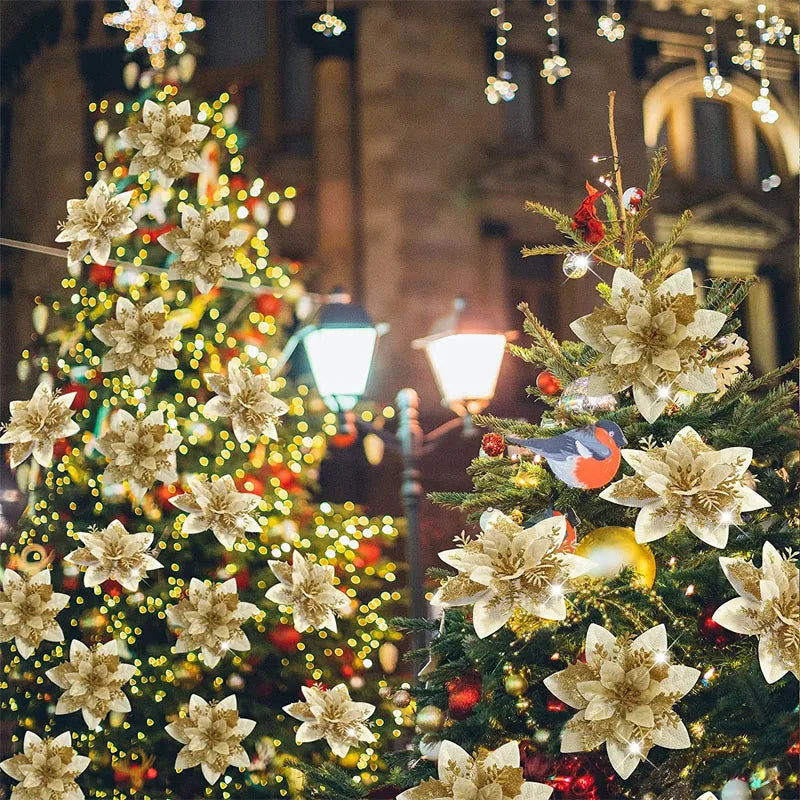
(172, 578)
(622, 619)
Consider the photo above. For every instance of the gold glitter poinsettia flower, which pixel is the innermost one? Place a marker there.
(205, 246)
(625, 692)
(166, 140)
(245, 397)
(650, 337)
(36, 424)
(141, 338)
(46, 769)
(140, 451)
(331, 715)
(687, 482)
(28, 609)
(508, 568)
(309, 590)
(210, 619)
(211, 735)
(92, 223)
(92, 680)
(113, 554)
(217, 505)
(490, 775)
(768, 607)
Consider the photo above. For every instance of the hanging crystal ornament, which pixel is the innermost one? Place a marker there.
(554, 67)
(772, 29)
(609, 25)
(748, 56)
(499, 86)
(713, 82)
(328, 23)
(156, 26)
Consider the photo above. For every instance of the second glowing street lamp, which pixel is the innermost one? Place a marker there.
(465, 358)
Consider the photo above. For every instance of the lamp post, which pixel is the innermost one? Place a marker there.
(465, 358)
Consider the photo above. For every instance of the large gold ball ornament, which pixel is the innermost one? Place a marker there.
(614, 548)
(430, 719)
(515, 684)
(791, 459)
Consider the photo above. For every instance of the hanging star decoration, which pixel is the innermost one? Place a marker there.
(93, 681)
(508, 568)
(490, 774)
(625, 691)
(768, 607)
(687, 482)
(155, 25)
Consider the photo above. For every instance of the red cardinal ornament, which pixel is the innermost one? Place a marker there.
(585, 220)
(585, 458)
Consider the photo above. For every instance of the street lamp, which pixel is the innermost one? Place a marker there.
(465, 358)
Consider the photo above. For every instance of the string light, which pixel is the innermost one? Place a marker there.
(762, 105)
(774, 29)
(748, 55)
(554, 67)
(328, 23)
(609, 25)
(713, 82)
(499, 86)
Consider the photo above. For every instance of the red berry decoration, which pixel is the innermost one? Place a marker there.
(547, 383)
(81, 393)
(465, 692)
(493, 444)
(284, 637)
(714, 632)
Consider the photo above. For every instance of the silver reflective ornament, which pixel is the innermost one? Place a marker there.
(575, 399)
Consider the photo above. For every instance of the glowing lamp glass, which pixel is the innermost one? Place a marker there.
(466, 366)
(340, 361)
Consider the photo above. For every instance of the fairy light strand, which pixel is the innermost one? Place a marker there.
(328, 23)
(748, 56)
(499, 86)
(554, 67)
(610, 25)
(762, 104)
(713, 82)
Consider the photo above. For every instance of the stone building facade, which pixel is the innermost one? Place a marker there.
(412, 186)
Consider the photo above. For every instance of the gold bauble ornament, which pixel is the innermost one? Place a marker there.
(791, 459)
(430, 719)
(515, 684)
(402, 698)
(614, 548)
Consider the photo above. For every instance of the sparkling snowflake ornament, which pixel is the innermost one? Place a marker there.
(211, 735)
(625, 692)
(650, 337)
(494, 774)
(205, 246)
(166, 141)
(245, 397)
(508, 568)
(210, 619)
(217, 505)
(92, 223)
(37, 424)
(155, 25)
(139, 450)
(46, 769)
(308, 588)
(28, 609)
(768, 607)
(141, 339)
(686, 482)
(92, 681)
(331, 715)
(113, 554)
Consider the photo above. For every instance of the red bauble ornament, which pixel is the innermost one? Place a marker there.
(251, 484)
(578, 777)
(81, 393)
(101, 274)
(268, 305)
(493, 444)
(284, 637)
(242, 578)
(111, 587)
(347, 671)
(554, 704)
(714, 632)
(164, 493)
(60, 448)
(367, 554)
(547, 383)
(536, 766)
(464, 692)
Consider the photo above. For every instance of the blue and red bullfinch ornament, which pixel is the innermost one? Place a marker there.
(585, 458)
